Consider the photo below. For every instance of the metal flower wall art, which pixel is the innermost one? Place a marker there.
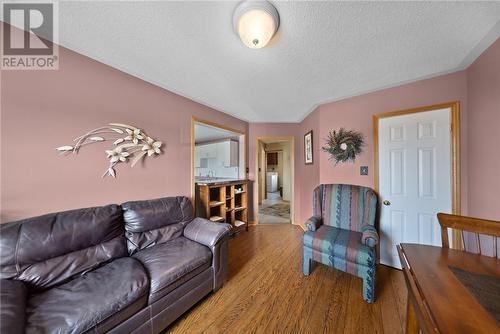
(130, 144)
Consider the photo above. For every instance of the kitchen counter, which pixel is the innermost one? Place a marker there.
(218, 181)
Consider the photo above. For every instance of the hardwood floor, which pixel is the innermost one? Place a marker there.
(267, 293)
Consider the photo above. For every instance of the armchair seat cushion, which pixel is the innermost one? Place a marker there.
(97, 300)
(340, 243)
(172, 263)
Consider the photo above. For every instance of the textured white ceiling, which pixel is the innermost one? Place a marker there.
(323, 51)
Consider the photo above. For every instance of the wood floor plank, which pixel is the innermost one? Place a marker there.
(390, 303)
(400, 294)
(337, 313)
(361, 317)
(267, 293)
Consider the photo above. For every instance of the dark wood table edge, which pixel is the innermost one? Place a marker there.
(416, 318)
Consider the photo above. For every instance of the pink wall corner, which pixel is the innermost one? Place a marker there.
(309, 174)
(356, 113)
(41, 110)
(484, 134)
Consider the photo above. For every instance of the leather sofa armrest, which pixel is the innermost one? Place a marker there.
(205, 232)
(313, 223)
(369, 236)
(215, 236)
(13, 295)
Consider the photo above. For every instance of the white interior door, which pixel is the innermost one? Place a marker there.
(414, 179)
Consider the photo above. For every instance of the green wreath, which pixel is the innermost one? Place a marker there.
(343, 145)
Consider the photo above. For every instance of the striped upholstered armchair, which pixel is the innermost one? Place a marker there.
(341, 234)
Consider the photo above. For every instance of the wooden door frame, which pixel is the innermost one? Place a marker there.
(195, 120)
(454, 107)
(290, 139)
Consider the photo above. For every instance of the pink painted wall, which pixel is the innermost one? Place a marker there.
(484, 134)
(309, 175)
(41, 110)
(356, 113)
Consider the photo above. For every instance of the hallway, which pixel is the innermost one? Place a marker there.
(274, 210)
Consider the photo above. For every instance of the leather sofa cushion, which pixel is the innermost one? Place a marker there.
(13, 296)
(57, 270)
(152, 222)
(44, 251)
(340, 243)
(90, 299)
(171, 262)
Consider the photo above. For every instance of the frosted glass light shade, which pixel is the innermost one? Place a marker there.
(255, 22)
(256, 28)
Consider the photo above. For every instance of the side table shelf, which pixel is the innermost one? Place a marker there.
(224, 202)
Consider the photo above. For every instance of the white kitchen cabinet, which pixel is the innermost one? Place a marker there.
(200, 152)
(212, 151)
(227, 153)
(208, 151)
(197, 156)
(234, 158)
(224, 154)
(220, 148)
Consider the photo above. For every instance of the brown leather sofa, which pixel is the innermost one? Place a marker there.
(132, 268)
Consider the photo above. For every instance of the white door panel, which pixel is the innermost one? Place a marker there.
(414, 177)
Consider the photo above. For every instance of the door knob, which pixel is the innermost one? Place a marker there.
(386, 202)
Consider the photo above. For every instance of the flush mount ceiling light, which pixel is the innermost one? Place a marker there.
(255, 22)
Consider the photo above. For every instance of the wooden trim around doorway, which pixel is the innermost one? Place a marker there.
(455, 153)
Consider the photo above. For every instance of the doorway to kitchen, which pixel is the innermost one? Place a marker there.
(275, 156)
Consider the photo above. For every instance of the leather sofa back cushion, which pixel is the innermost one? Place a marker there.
(44, 251)
(156, 221)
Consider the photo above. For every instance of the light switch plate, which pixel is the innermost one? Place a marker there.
(363, 170)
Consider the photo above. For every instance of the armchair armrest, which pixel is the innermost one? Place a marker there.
(369, 236)
(13, 306)
(313, 223)
(205, 232)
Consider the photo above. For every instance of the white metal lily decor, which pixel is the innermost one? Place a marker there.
(134, 144)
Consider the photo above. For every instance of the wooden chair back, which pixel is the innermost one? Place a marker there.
(476, 226)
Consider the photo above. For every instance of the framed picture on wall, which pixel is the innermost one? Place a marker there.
(308, 148)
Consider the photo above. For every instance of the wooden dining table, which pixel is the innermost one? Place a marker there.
(438, 300)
